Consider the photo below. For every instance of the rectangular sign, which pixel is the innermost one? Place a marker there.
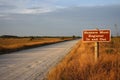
(96, 35)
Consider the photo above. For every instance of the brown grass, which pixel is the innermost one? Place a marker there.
(12, 44)
(79, 64)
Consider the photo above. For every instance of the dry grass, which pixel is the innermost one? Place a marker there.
(79, 64)
(12, 44)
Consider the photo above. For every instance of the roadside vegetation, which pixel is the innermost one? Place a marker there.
(79, 64)
(14, 43)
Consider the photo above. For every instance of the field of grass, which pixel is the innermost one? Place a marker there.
(14, 44)
(79, 64)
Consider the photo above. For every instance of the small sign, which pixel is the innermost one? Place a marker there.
(96, 35)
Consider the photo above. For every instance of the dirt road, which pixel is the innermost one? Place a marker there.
(33, 64)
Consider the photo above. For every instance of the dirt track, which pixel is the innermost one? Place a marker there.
(32, 64)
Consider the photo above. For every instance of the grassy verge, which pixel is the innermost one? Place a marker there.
(79, 64)
(14, 44)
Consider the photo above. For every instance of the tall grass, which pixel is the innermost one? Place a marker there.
(79, 64)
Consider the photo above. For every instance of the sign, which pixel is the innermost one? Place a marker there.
(96, 35)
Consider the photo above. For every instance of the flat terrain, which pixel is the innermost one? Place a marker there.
(33, 64)
(15, 44)
(80, 63)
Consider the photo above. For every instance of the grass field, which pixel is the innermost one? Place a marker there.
(14, 44)
(79, 64)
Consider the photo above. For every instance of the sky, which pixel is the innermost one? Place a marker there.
(58, 17)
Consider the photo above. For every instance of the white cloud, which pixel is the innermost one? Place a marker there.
(27, 6)
(34, 11)
(5, 17)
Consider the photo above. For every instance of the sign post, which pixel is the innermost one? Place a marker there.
(96, 51)
(96, 36)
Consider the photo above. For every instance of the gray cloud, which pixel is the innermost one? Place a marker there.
(26, 6)
(67, 21)
(6, 7)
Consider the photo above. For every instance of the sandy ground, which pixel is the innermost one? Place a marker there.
(33, 64)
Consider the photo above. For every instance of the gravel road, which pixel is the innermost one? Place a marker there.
(33, 64)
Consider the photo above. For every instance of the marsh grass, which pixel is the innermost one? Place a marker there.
(13, 44)
(79, 64)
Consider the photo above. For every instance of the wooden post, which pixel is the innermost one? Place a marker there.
(99, 36)
(96, 51)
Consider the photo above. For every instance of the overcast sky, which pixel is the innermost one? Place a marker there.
(57, 17)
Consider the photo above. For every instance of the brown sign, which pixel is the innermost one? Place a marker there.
(96, 35)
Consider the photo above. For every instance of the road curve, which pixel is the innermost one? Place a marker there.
(33, 64)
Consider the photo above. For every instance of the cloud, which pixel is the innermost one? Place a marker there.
(6, 7)
(1, 15)
(33, 11)
(44, 6)
(65, 21)
(26, 6)
(5, 17)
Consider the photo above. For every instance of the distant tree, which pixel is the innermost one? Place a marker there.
(63, 37)
(9, 36)
(73, 36)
